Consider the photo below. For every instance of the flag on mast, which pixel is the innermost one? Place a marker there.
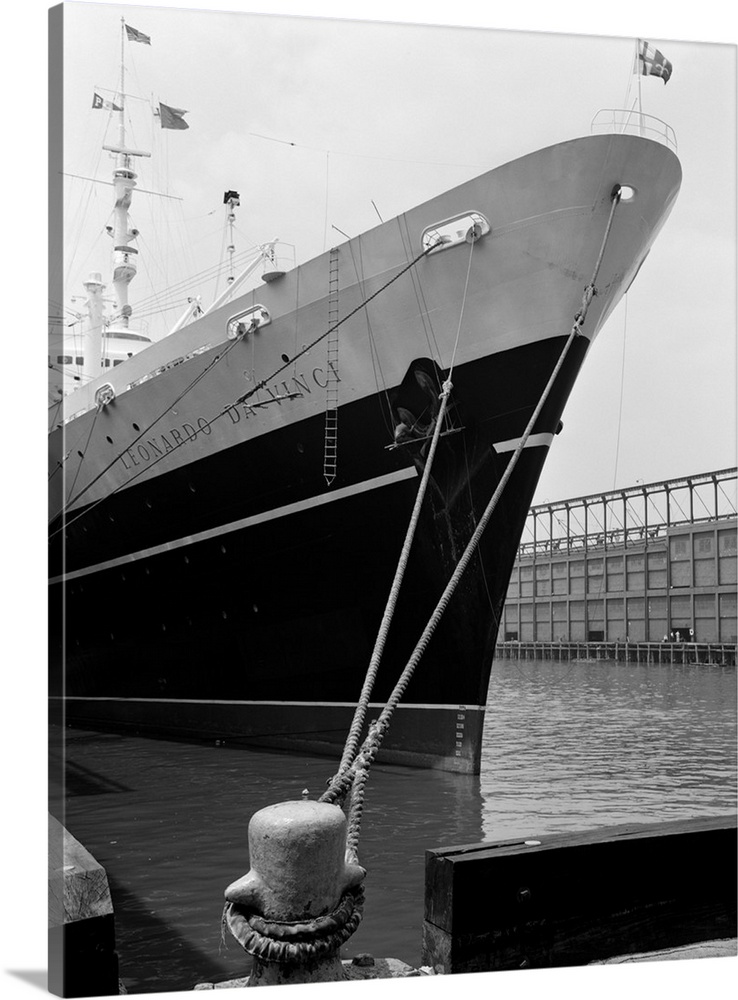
(137, 36)
(651, 62)
(172, 117)
(99, 102)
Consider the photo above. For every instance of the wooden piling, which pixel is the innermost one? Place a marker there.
(720, 654)
(82, 957)
(573, 899)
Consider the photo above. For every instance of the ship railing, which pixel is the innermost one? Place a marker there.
(618, 120)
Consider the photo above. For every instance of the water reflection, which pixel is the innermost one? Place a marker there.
(566, 746)
(571, 746)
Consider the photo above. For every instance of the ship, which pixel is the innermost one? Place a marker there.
(228, 504)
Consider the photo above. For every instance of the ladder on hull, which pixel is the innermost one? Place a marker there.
(330, 447)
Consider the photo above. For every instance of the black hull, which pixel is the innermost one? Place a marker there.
(264, 632)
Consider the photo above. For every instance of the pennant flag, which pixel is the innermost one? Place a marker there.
(137, 36)
(652, 62)
(98, 102)
(172, 117)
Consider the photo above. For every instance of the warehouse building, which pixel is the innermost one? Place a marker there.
(649, 563)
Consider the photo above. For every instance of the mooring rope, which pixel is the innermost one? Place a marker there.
(344, 781)
(357, 723)
(219, 357)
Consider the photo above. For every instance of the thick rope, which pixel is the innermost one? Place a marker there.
(357, 723)
(188, 388)
(84, 452)
(299, 941)
(343, 781)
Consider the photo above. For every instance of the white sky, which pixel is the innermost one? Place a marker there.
(478, 99)
(393, 114)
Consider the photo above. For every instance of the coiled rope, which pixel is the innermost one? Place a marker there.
(294, 942)
(353, 778)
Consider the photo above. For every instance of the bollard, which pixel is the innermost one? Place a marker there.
(301, 899)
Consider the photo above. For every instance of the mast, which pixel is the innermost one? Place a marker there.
(231, 200)
(124, 181)
(121, 232)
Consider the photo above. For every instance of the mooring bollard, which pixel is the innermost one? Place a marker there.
(301, 899)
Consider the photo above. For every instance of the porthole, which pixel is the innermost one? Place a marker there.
(108, 439)
(285, 358)
(135, 427)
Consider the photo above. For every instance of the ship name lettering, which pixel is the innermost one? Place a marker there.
(324, 385)
(157, 447)
(235, 414)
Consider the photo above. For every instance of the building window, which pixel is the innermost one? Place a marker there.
(679, 548)
(703, 544)
(656, 570)
(727, 611)
(681, 575)
(727, 541)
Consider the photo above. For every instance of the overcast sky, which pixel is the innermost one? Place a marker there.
(388, 115)
(492, 97)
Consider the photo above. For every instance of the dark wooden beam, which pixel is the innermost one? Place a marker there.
(577, 898)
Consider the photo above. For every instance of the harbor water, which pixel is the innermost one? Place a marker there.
(567, 746)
